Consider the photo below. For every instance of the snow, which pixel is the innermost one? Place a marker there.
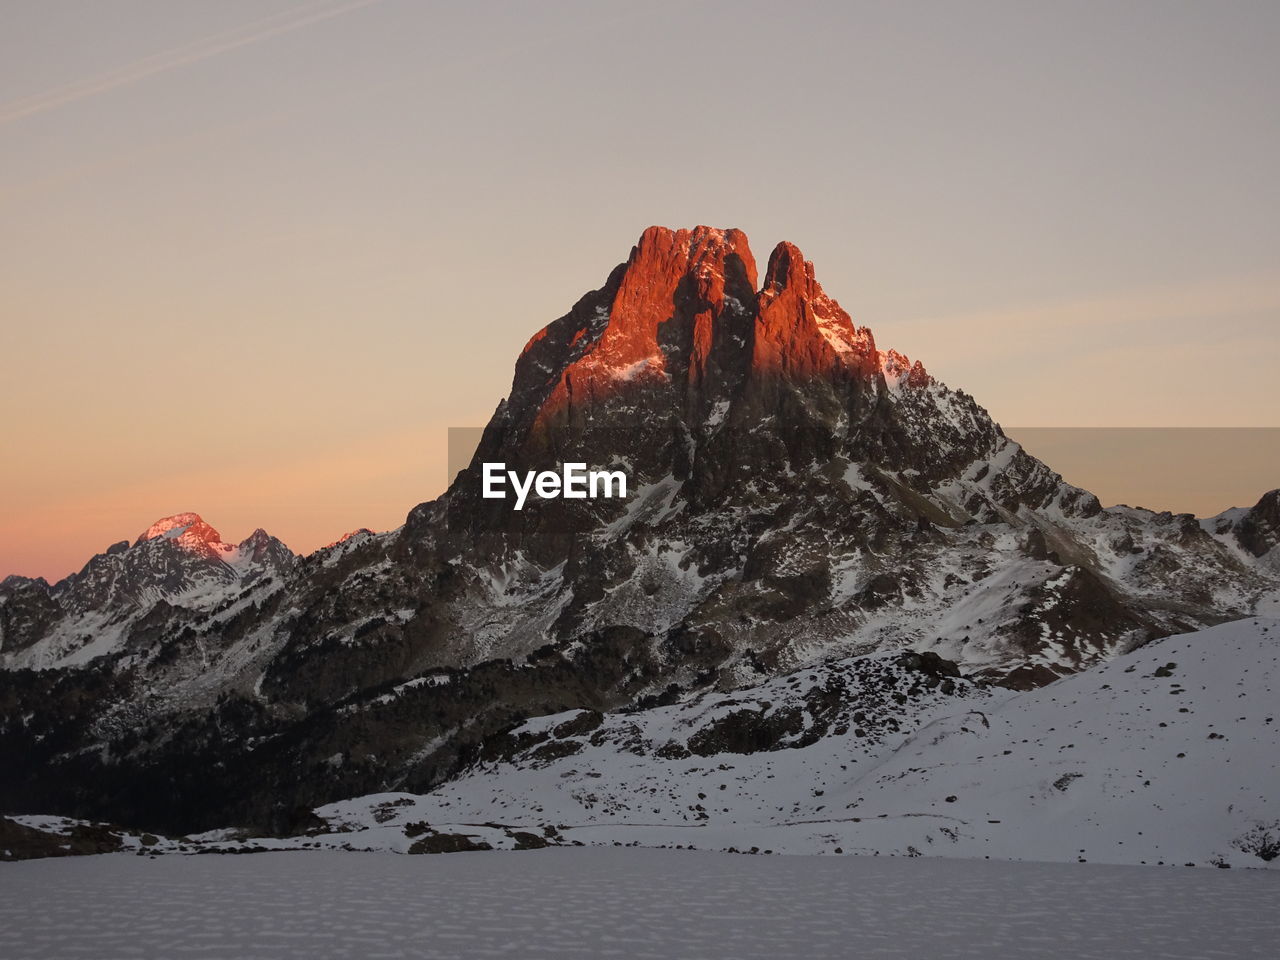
(1162, 756)
(1225, 520)
(895, 368)
(73, 643)
(849, 342)
(626, 903)
(650, 504)
(431, 680)
(170, 527)
(178, 560)
(633, 370)
(715, 416)
(857, 481)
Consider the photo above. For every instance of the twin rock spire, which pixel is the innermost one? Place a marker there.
(687, 305)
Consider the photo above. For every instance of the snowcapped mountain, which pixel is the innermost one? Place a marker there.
(176, 568)
(797, 495)
(799, 490)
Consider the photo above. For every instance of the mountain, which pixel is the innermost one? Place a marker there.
(176, 568)
(796, 495)
(797, 487)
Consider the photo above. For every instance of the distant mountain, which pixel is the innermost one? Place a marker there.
(177, 568)
(796, 495)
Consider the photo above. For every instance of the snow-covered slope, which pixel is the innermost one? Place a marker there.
(1166, 755)
(636, 904)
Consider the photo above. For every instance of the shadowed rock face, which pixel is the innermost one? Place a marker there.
(1259, 530)
(796, 494)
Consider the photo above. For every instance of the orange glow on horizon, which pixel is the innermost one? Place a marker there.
(308, 503)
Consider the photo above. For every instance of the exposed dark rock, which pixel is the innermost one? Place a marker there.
(1259, 530)
(448, 843)
(19, 842)
(529, 841)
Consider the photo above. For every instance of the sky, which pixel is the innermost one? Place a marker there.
(258, 255)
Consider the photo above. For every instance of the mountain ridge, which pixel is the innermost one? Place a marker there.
(798, 495)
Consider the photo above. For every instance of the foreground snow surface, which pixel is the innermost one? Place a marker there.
(633, 903)
(1166, 755)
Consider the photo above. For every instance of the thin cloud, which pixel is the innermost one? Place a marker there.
(284, 22)
(351, 96)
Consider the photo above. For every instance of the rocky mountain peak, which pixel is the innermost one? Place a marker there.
(684, 331)
(262, 549)
(800, 331)
(687, 365)
(898, 370)
(188, 526)
(652, 320)
(190, 533)
(179, 561)
(686, 307)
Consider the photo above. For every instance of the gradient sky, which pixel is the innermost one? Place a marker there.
(256, 256)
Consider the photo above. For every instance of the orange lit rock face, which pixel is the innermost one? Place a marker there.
(684, 314)
(672, 279)
(800, 331)
(685, 364)
(175, 526)
(190, 532)
(660, 317)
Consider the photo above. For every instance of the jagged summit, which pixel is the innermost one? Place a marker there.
(686, 308)
(687, 364)
(175, 526)
(190, 531)
(1256, 529)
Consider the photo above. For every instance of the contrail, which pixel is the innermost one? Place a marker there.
(283, 22)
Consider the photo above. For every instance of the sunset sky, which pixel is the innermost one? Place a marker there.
(257, 256)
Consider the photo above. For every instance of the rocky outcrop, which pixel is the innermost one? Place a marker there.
(1258, 531)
